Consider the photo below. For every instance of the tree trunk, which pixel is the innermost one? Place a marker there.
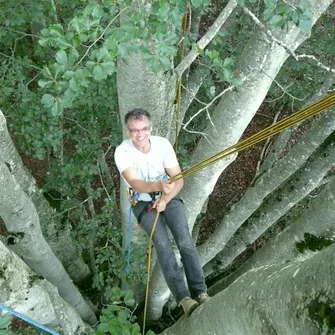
(25, 238)
(317, 219)
(281, 141)
(266, 184)
(258, 66)
(290, 298)
(297, 187)
(22, 290)
(60, 241)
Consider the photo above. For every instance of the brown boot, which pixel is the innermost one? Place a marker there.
(202, 298)
(188, 305)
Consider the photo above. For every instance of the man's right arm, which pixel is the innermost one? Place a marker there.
(138, 185)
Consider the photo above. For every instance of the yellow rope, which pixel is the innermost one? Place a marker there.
(317, 107)
(179, 83)
(149, 266)
(175, 145)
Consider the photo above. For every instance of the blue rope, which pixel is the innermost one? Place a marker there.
(25, 318)
(129, 242)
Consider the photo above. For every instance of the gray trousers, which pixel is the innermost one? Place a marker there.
(174, 218)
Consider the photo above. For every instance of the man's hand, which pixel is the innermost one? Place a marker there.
(166, 187)
(159, 205)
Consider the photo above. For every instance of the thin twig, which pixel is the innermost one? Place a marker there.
(69, 209)
(268, 32)
(282, 44)
(103, 184)
(327, 68)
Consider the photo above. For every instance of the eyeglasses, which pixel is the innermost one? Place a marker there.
(137, 131)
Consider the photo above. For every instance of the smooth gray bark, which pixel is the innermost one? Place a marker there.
(258, 66)
(281, 142)
(266, 184)
(138, 87)
(274, 299)
(23, 291)
(297, 187)
(317, 219)
(26, 239)
(61, 241)
(192, 86)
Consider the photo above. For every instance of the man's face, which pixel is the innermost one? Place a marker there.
(139, 131)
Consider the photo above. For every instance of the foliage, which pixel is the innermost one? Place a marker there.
(118, 318)
(313, 243)
(59, 94)
(321, 310)
(5, 327)
(278, 14)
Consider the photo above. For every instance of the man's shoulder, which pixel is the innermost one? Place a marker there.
(125, 145)
(160, 140)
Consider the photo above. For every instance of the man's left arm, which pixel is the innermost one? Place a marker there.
(178, 184)
(160, 204)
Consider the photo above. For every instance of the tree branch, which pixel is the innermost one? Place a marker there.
(327, 68)
(207, 38)
(288, 50)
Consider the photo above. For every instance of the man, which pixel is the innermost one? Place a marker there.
(145, 162)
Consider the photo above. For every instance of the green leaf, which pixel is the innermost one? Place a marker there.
(130, 302)
(74, 85)
(68, 75)
(99, 73)
(270, 3)
(228, 62)
(76, 24)
(98, 11)
(198, 3)
(68, 98)
(197, 49)
(236, 82)
(108, 67)
(57, 108)
(47, 100)
(63, 43)
(226, 74)
(276, 20)
(90, 64)
(5, 321)
(45, 84)
(268, 13)
(61, 57)
(56, 30)
(46, 73)
(212, 54)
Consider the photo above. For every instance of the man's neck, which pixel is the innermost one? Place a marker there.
(145, 148)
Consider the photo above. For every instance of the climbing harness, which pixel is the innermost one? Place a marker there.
(132, 196)
(30, 321)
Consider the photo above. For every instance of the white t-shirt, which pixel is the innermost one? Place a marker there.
(150, 166)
